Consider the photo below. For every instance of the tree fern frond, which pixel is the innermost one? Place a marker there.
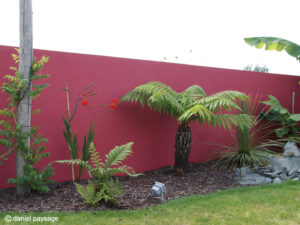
(196, 112)
(158, 96)
(168, 104)
(231, 95)
(190, 95)
(118, 154)
(196, 91)
(217, 104)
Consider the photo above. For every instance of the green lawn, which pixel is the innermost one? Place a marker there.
(270, 204)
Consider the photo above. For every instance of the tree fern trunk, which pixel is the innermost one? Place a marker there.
(183, 141)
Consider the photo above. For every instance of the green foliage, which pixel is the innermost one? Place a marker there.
(257, 68)
(104, 187)
(34, 179)
(11, 136)
(273, 43)
(107, 193)
(191, 104)
(281, 115)
(251, 145)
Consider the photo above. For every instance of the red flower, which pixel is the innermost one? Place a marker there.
(84, 94)
(112, 106)
(115, 100)
(84, 102)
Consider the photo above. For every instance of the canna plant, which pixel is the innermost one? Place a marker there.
(102, 185)
(189, 105)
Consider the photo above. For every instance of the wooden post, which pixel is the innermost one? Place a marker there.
(25, 62)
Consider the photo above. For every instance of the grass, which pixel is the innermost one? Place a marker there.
(268, 204)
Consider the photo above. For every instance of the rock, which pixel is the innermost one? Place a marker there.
(291, 149)
(280, 168)
(254, 179)
(276, 181)
(245, 171)
(237, 172)
(290, 163)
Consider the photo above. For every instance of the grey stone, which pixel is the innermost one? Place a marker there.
(291, 172)
(254, 179)
(290, 163)
(271, 175)
(291, 149)
(237, 172)
(280, 168)
(276, 181)
(245, 171)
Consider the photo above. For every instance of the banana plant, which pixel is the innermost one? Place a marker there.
(274, 43)
(279, 114)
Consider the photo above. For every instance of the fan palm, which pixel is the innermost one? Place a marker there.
(191, 104)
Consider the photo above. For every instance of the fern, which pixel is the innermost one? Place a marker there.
(191, 104)
(89, 194)
(102, 185)
(118, 154)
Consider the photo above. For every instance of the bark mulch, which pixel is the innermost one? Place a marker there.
(202, 178)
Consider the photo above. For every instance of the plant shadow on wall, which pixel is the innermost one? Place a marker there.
(102, 187)
(189, 105)
(34, 178)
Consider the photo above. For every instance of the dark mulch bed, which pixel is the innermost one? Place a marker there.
(202, 178)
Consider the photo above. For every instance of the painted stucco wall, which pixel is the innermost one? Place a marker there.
(152, 134)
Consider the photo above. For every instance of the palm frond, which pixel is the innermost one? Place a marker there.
(157, 96)
(118, 154)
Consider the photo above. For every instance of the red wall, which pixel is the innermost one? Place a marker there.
(152, 134)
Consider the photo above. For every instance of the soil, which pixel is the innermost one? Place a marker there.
(201, 178)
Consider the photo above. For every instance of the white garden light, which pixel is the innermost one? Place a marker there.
(158, 189)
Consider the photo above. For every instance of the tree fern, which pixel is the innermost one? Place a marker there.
(190, 104)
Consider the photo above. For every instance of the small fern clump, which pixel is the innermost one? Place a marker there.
(103, 187)
(107, 192)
